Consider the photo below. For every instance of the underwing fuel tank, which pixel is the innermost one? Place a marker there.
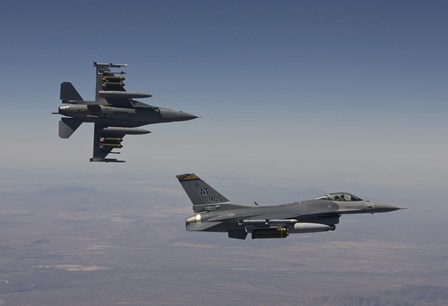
(305, 227)
(124, 130)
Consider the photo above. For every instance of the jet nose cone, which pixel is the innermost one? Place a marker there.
(186, 116)
(381, 207)
(168, 115)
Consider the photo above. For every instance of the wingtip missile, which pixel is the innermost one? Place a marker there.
(107, 160)
(112, 65)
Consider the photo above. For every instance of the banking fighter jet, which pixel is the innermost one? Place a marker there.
(115, 112)
(215, 213)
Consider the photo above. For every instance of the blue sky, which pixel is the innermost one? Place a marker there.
(334, 91)
(297, 98)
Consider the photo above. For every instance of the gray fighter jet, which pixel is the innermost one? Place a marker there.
(115, 112)
(215, 213)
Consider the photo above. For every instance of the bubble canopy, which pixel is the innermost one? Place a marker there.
(340, 196)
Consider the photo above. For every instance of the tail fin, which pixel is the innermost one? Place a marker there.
(69, 93)
(67, 126)
(203, 196)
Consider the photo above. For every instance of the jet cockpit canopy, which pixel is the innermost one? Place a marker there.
(340, 196)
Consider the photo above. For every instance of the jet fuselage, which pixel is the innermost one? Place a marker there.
(312, 211)
(215, 213)
(120, 116)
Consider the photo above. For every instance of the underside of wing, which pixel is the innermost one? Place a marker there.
(104, 142)
(110, 87)
(110, 81)
(108, 138)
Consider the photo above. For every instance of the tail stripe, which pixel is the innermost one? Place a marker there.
(188, 177)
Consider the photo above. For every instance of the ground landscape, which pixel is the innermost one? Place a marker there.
(87, 245)
(295, 99)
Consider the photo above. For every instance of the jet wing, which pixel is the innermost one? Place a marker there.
(104, 142)
(110, 87)
(117, 99)
(107, 138)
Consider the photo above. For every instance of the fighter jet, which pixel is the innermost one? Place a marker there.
(215, 213)
(115, 112)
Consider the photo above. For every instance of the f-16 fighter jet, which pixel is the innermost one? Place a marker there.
(115, 112)
(215, 213)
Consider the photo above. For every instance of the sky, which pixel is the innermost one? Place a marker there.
(328, 93)
(295, 98)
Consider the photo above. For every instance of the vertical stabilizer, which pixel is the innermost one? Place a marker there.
(69, 94)
(200, 193)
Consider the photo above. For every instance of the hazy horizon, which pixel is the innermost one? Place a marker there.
(296, 99)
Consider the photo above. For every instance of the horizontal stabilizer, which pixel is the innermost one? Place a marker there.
(69, 94)
(201, 226)
(67, 126)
